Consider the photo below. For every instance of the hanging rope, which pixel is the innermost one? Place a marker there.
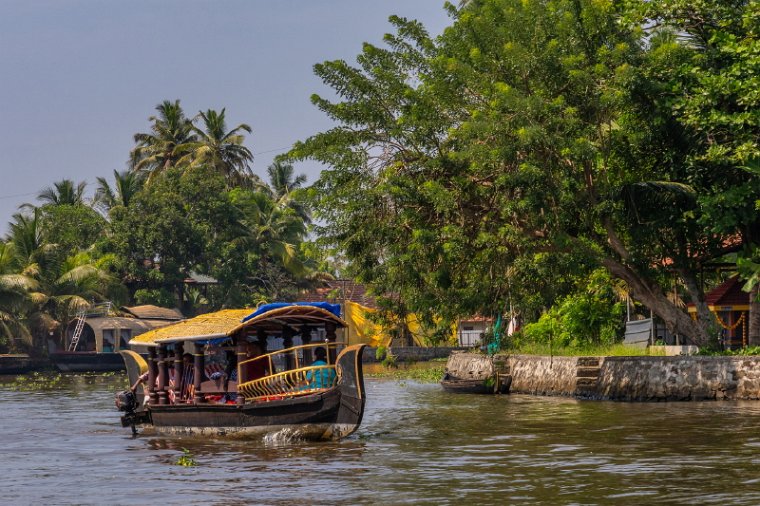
(730, 327)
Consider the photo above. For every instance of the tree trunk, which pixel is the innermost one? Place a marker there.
(652, 296)
(704, 315)
(753, 337)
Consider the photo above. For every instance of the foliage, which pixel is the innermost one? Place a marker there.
(415, 372)
(71, 227)
(527, 129)
(588, 350)
(587, 318)
(748, 351)
(221, 150)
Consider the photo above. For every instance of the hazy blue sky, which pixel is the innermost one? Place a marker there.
(79, 77)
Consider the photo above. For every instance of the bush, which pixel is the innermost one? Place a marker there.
(591, 317)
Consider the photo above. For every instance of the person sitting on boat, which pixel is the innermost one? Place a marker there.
(320, 378)
(253, 369)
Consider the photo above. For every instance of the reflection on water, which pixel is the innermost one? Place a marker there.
(417, 445)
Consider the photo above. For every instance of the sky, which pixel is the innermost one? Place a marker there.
(78, 78)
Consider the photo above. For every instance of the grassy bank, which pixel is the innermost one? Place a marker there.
(613, 350)
(424, 372)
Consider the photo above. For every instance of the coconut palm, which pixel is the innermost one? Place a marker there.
(126, 185)
(66, 287)
(271, 229)
(285, 188)
(26, 238)
(281, 179)
(220, 149)
(14, 299)
(160, 149)
(64, 192)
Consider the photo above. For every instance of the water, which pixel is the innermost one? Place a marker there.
(417, 445)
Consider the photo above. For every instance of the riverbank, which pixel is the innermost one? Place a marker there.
(643, 378)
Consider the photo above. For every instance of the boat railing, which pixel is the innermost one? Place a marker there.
(298, 379)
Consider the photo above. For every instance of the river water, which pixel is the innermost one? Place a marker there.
(61, 443)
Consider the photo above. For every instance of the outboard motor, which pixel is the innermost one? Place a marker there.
(126, 401)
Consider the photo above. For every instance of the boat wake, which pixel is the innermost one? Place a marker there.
(283, 436)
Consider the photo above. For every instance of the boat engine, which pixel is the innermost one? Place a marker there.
(126, 401)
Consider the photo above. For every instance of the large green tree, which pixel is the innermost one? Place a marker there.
(712, 89)
(528, 129)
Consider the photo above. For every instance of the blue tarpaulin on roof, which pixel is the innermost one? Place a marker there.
(333, 308)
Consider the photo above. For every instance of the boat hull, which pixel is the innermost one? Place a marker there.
(87, 361)
(467, 386)
(16, 364)
(329, 415)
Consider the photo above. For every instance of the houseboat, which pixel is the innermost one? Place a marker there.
(247, 373)
(96, 335)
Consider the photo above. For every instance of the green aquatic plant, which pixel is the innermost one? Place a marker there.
(186, 460)
(36, 381)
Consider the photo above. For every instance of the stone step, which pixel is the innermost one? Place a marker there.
(588, 361)
(585, 383)
(587, 372)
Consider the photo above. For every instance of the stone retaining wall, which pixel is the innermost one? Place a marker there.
(412, 353)
(639, 378)
(634, 378)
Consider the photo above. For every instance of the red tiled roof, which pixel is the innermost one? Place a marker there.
(728, 293)
(337, 291)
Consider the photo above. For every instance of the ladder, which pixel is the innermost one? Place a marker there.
(80, 317)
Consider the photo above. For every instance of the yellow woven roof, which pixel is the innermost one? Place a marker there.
(215, 324)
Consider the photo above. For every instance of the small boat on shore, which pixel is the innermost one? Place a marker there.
(471, 373)
(312, 387)
(17, 363)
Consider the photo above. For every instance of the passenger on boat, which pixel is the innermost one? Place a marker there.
(253, 369)
(320, 378)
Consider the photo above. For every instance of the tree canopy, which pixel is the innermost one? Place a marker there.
(528, 133)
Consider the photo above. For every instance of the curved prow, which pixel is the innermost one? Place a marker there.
(136, 367)
(351, 385)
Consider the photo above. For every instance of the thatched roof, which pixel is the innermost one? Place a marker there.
(230, 321)
(151, 312)
(204, 326)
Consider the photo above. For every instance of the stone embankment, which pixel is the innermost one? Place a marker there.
(635, 378)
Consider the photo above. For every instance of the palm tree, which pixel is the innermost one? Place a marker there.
(284, 188)
(14, 299)
(126, 186)
(65, 287)
(64, 192)
(220, 149)
(272, 230)
(166, 143)
(26, 238)
(281, 179)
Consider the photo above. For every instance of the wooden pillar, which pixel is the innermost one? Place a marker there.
(163, 376)
(197, 372)
(179, 373)
(306, 339)
(152, 375)
(287, 342)
(261, 338)
(331, 336)
(242, 354)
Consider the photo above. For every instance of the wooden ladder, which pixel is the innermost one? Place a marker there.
(80, 317)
